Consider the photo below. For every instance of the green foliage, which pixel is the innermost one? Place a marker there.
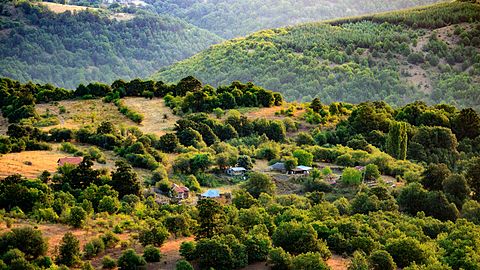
(406, 251)
(304, 158)
(77, 217)
(259, 183)
(210, 218)
(108, 262)
(152, 254)
(69, 250)
(26, 240)
(120, 52)
(397, 140)
(298, 238)
(309, 261)
(351, 177)
(221, 252)
(130, 260)
(381, 260)
(155, 234)
(183, 265)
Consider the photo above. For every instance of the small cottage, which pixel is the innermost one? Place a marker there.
(210, 194)
(69, 160)
(236, 171)
(278, 167)
(180, 192)
(301, 170)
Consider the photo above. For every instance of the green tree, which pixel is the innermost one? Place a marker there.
(309, 261)
(466, 124)
(259, 183)
(210, 218)
(183, 265)
(154, 234)
(434, 175)
(351, 177)
(125, 180)
(406, 250)
(168, 143)
(316, 105)
(245, 162)
(290, 163)
(77, 217)
(381, 260)
(27, 240)
(152, 254)
(279, 259)
(371, 172)
(130, 260)
(473, 176)
(69, 250)
(304, 158)
(359, 262)
(222, 252)
(456, 186)
(397, 140)
(299, 238)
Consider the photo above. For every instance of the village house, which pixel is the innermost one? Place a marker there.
(236, 171)
(278, 167)
(301, 170)
(180, 192)
(69, 160)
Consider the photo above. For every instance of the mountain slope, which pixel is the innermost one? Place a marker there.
(230, 18)
(429, 53)
(67, 49)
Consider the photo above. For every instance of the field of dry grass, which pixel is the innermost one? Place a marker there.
(60, 8)
(158, 120)
(84, 112)
(29, 164)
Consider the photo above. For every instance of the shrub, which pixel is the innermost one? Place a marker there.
(77, 217)
(108, 262)
(130, 260)
(351, 177)
(309, 260)
(69, 250)
(279, 259)
(183, 265)
(381, 260)
(153, 235)
(187, 250)
(152, 254)
(93, 248)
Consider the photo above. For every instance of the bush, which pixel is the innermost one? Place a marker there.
(187, 250)
(93, 248)
(183, 265)
(279, 259)
(130, 260)
(153, 235)
(69, 250)
(309, 261)
(77, 217)
(381, 260)
(351, 177)
(152, 254)
(108, 262)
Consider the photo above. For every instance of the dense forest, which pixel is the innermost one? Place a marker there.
(429, 54)
(230, 19)
(67, 49)
(96, 45)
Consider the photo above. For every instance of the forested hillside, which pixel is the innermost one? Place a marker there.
(429, 53)
(67, 49)
(317, 186)
(230, 19)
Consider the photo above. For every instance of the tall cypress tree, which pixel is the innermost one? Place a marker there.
(397, 140)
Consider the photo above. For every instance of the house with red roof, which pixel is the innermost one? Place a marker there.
(180, 192)
(69, 160)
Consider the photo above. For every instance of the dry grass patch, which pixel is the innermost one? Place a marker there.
(60, 8)
(158, 120)
(30, 163)
(84, 112)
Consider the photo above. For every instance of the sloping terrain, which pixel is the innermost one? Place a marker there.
(428, 53)
(230, 19)
(68, 48)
